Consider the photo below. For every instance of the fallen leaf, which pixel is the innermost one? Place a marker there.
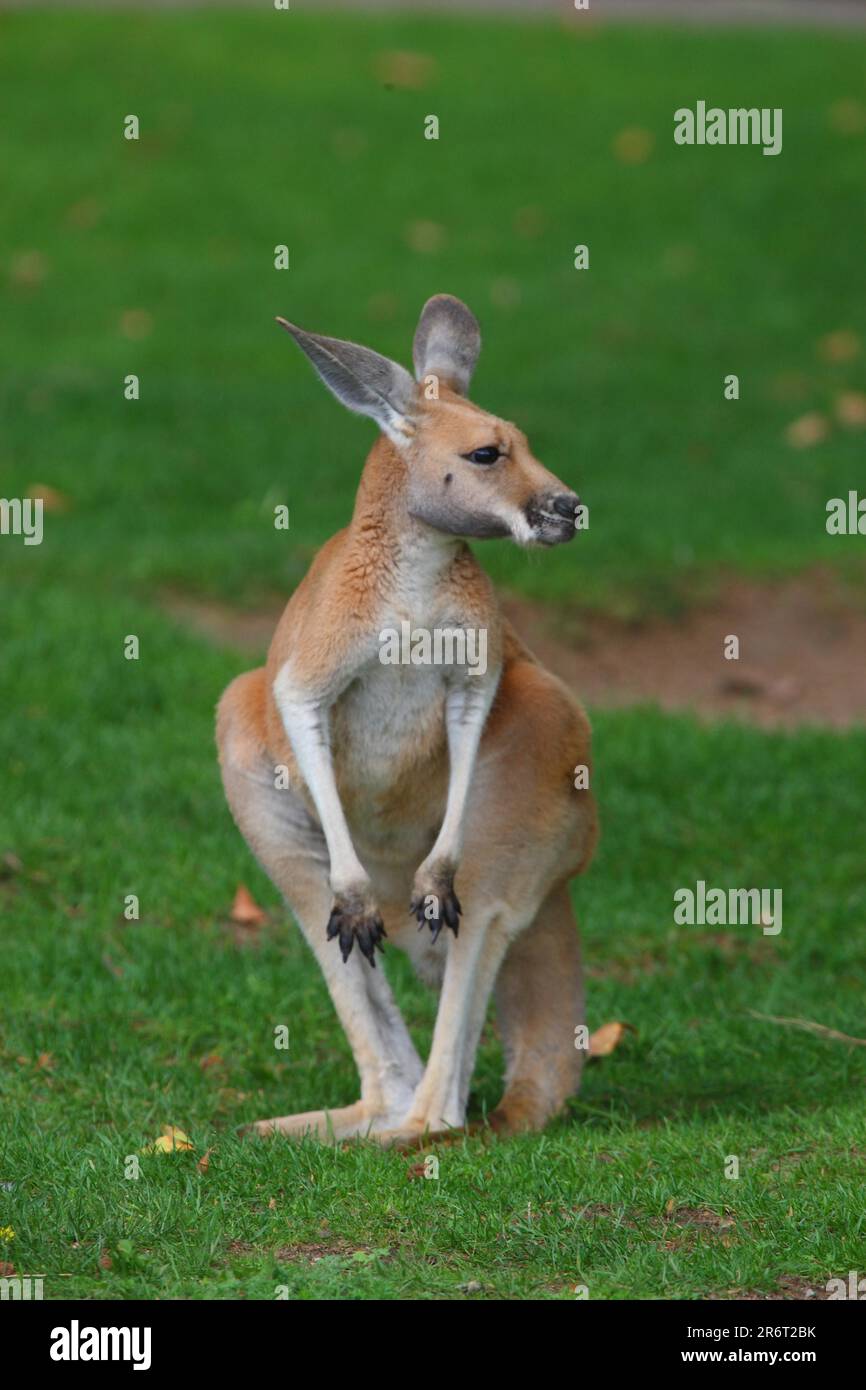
(171, 1140)
(6, 1269)
(634, 145)
(411, 71)
(204, 1162)
(136, 324)
(416, 1170)
(245, 909)
(607, 1038)
(848, 116)
(45, 1061)
(851, 409)
(841, 345)
(807, 431)
(213, 1059)
(105, 1261)
(51, 499)
(530, 221)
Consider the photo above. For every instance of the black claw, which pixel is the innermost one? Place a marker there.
(347, 941)
(350, 925)
(448, 915)
(334, 922)
(451, 913)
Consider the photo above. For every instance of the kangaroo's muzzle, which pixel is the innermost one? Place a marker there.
(553, 517)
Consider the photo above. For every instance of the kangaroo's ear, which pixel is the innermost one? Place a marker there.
(363, 380)
(447, 342)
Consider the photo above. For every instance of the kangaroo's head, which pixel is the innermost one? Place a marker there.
(468, 473)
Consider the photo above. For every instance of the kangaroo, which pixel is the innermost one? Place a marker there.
(373, 791)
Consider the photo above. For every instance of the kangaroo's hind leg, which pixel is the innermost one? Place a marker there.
(539, 1002)
(291, 848)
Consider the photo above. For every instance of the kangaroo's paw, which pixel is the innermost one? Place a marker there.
(434, 903)
(353, 918)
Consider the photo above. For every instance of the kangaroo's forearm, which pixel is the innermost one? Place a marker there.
(466, 711)
(307, 725)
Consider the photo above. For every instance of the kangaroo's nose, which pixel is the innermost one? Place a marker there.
(566, 504)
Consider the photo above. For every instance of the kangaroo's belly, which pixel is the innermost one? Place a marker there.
(390, 753)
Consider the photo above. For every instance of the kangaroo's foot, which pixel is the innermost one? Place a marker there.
(408, 1135)
(344, 1122)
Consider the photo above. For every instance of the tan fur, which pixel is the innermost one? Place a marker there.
(523, 832)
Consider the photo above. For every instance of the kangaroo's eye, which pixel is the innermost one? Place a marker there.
(489, 454)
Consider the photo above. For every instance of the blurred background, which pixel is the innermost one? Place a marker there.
(156, 257)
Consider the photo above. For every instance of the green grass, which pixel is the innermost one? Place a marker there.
(115, 791)
(111, 784)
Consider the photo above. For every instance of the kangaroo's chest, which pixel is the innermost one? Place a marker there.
(390, 713)
(388, 727)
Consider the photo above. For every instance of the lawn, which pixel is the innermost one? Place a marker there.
(156, 258)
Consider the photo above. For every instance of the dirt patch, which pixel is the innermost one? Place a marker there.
(307, 1252)
(247, 629)
(310, 1253)
(685, 1227)
(802, 654)
(802, 650)
(788, 1288)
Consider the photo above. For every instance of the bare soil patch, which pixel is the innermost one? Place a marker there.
(802, 645)
(789, 1288)
(307, 1252)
